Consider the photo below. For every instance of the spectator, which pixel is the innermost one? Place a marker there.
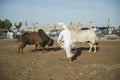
(10, 34)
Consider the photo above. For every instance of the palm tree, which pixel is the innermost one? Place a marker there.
(18, 26)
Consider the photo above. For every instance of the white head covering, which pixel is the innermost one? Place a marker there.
(62, 24)
(65, 27)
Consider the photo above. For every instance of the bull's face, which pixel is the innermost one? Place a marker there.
(51, 42)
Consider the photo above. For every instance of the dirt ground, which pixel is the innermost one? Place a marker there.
(53, 65)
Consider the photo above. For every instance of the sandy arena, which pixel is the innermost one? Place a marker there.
(53, 65)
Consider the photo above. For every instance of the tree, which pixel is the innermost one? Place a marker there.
(7, 24)
(1, 24)
(18, 26)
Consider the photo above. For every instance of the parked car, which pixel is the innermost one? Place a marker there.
(54, 32)
(3, 34)
(84, 28)
(117, 32)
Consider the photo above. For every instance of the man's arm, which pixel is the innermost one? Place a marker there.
(60, 37)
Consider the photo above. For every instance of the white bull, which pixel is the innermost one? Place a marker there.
(84, 36)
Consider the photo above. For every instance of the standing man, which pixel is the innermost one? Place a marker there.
(10, 34)
(66, 36)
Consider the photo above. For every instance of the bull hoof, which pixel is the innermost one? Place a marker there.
(89, 51)
(43, 51)
(94, 52)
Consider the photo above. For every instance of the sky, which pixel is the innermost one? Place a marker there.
(51, 12)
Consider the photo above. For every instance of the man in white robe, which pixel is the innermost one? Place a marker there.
(10, 34)
(66, 36)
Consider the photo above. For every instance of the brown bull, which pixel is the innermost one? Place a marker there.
(39, 39)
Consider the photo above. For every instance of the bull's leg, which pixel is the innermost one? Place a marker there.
(22, 47)
(19, 49)
(95, 49)
(22, 50)
(47, 47)
(43, 50)
(75, 43)
(36, 46)
(90, 47)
